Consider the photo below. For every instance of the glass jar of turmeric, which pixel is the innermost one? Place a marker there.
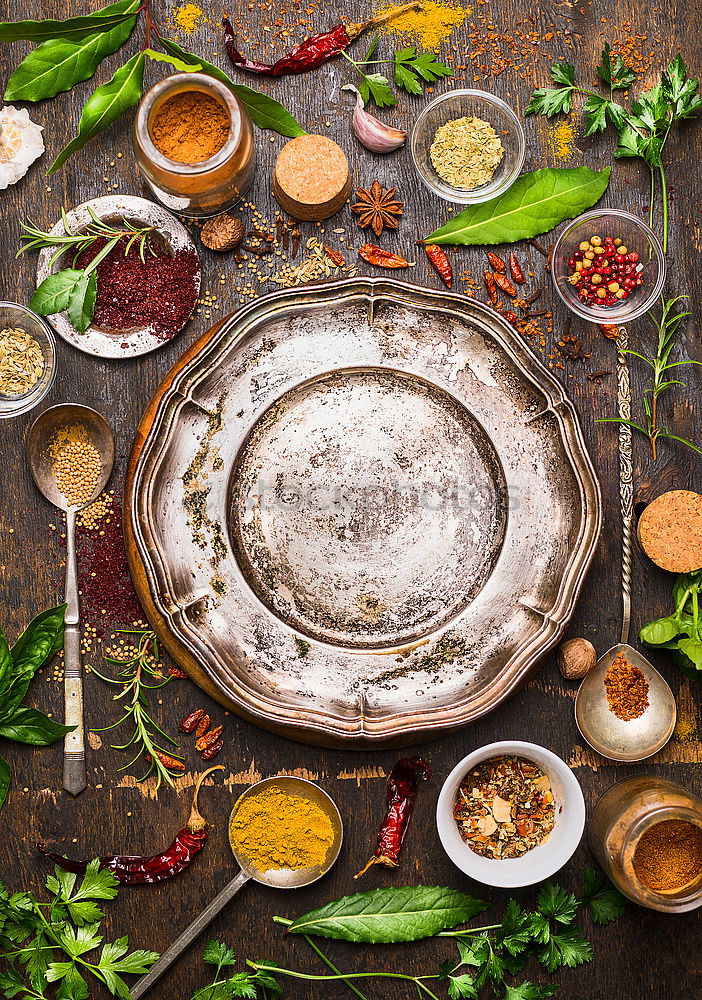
(193, 141)
(646, 833)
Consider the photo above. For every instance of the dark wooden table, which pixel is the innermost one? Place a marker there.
(641, 956)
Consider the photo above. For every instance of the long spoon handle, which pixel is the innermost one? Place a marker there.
(189, 934)
(75, 778)
(626, 478)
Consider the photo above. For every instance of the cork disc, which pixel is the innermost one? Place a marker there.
(670, 531)
(311, 179)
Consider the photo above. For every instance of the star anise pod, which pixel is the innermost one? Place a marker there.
(377, 208)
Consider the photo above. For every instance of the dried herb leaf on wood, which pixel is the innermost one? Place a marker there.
(534, 204)
(58, 64)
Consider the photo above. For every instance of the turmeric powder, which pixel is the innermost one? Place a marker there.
(668, 858)
(274, 830)
(189, 127)
(429, 24)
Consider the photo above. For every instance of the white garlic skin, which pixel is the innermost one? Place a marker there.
(372, 133)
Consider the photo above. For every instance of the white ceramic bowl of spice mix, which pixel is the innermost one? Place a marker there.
(510, 814)
(468, 146)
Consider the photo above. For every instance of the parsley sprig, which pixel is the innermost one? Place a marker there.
(488, 957)
(60, 941)
(412, 70)
(643, 129)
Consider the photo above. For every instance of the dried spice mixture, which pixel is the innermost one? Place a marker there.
(627, 689)
(505, 807)
(466, 152)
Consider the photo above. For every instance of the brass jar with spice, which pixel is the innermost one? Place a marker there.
(193, 142)
(646, 833)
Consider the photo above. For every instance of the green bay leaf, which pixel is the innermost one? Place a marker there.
(263, 110)
(60, 63)
(54, 293)
(387, 916)
(534, 204)
(81, 306)
(42, 31)
(106, 105)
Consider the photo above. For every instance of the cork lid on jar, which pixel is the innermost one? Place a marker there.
(670, 531)
(311, 179)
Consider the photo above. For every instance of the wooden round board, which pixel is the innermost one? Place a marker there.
(360, 512)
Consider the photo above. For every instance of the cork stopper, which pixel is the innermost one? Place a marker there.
(311, 179)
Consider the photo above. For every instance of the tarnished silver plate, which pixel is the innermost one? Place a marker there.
(361, 512)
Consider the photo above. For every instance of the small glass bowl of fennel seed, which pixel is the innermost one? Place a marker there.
(468, 146)
(27, 359)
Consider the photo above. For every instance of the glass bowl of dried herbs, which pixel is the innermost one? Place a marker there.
(27, 359)
(510, 814)
(608, 266)
(468, 146)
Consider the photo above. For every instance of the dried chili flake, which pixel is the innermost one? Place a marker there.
(627, 689)
(505, 807)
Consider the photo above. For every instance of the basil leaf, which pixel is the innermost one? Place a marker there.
(39, 642)
(5, 661)
(659, 631)
(387, 916)
(173, 61)
(81, 305)
(55, 291)
(41, 31)
(534, 204)
(106, 105)
(60, 63)
(262, 109)
(5, 778)
(30, 726)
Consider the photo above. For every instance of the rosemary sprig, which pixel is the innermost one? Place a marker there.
(133, 678)
(36, 239)
(667, 327)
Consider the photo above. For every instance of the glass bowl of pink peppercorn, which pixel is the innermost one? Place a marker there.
(608, 266)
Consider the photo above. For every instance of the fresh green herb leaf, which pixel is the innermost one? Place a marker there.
(569, 948)
(364, 89)
(41, 31)
(60, 63)
(380, 91)
(528, 991)
(81, 306)
(5, 779)
(106, 105)
(534, 204)
(614, 71)
(390, 915)
(264, 112)
(514, 933)
(557, 904)
(411, 69)
(55, 291)
(462, 986)
(27, 725)
(216, 953)
(606, 903)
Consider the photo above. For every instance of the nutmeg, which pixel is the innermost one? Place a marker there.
(224, 232)
(575, 658)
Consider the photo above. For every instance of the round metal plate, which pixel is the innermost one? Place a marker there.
(104, 343)
(361, 511)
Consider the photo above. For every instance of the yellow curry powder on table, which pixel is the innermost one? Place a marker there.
(188, 17)
(429, 25)
(275, 830)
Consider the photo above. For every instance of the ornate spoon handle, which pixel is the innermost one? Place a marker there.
(626, 485)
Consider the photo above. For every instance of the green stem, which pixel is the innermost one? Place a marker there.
(330, 965)
(652, 197)
(471, 932)
(664, 198)
(342, 976)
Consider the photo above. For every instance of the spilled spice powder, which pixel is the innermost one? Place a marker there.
(668, 858)
(428, 25)
(188, 18)
(189, 127)
(627, 689)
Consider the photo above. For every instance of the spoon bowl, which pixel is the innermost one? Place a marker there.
(634, 739)
(43, 430)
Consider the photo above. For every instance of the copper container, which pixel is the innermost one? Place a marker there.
(621, 817)
(199, 189)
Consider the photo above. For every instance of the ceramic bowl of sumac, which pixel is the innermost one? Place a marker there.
(510, 814)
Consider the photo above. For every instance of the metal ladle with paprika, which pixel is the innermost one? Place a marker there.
(284, 878)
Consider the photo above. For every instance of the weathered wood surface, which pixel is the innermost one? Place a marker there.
(645, 955)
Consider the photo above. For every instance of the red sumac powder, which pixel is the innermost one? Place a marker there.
(158, 292)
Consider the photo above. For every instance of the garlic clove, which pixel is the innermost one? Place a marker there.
(372, 133)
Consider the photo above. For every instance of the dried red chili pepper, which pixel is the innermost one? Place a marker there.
(402, 792)
(510, 316)
(189, 723)
(496, 263)
(335, 257)
(504, 284)
(515, 270)
(203, 725)
(491, 285)
(172, 763)
(610, 330)
(209, 753)
(381, 258)
(209, 739)
(177, 673)
(136, 870)
(440, 263)
(313, 52)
